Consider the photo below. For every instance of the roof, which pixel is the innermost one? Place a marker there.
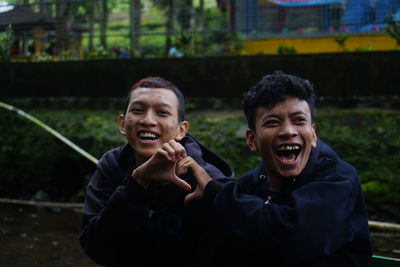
(22, 15)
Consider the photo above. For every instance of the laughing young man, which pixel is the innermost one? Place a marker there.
(134, 212)
(302, 205)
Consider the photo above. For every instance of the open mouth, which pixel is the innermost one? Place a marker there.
(288, 153)
(148, 136)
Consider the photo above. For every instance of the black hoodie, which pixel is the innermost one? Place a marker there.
(319, 220)
(126, 225)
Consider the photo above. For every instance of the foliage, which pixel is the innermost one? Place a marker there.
(30, 158)
(6, 40)
(341, 39)
(225, 137)
(367, 48)
(393, 29)
(99, 52)
(286, 50)
(367, 139)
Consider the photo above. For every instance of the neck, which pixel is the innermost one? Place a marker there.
(139, 160)
(276, 183)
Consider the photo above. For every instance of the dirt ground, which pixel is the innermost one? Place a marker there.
(32, 236)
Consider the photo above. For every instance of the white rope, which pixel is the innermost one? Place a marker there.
(50, 130)
(49, 204)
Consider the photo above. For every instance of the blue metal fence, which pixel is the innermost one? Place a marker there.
(261, 18)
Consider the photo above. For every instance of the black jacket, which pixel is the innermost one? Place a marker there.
(126, 225)
(319, 220)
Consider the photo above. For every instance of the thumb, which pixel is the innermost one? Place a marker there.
(181, 184)
(197, 194)
(189, 198)
(181, 170)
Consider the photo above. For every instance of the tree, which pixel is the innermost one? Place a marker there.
(135, 21)
(91, 21)
(6, 40)
(393, 29)
(103, 23)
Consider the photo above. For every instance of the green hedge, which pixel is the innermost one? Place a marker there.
(31, 159)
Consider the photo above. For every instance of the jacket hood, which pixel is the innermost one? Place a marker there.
(215, 165)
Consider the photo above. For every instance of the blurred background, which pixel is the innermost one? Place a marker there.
(68, 64)
(82, 29)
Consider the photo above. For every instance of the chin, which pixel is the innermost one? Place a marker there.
(290, 174)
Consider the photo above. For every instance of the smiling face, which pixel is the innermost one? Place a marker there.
(284, 136)
(151, 120)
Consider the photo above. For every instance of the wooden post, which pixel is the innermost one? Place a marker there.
(37, 39)
(79, 49)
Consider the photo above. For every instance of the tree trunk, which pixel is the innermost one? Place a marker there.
(170, 25)
(103, 24)
(202, 22)
(63, 25)
(135, 20)
(187, 16)
(92, 12)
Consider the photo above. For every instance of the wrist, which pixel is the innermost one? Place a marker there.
(205, 179)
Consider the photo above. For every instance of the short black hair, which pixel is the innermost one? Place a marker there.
(157, 83)
(271, 89)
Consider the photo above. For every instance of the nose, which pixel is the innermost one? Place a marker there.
(148, 119)
(288, 130)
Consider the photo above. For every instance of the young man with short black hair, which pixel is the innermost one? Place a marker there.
(302, 205)
(134, 212)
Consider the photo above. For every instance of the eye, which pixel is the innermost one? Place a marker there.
(271, 123)
(137, 110)
(300, 120)
(163, 112)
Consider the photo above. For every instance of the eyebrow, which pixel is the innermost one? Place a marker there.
(298, 113)
(165, 105)
(274, 115)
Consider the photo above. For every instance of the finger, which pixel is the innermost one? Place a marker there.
(182, 184)
(171, 152)
(181, 170)
(186, 162)
(189, 198)
(180, 151)
(162, 154)
(192, 196)
(183, 165)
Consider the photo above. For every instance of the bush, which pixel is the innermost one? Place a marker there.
(286, 50)
(369, 140)
(32, 160)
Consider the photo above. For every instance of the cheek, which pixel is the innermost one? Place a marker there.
(170, 128)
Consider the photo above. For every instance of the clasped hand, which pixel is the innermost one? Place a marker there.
(162, 167)
(166, 164)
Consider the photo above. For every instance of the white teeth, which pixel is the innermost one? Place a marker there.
(288, 147)
(147, 135)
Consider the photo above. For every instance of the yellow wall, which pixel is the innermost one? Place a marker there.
(320, 44)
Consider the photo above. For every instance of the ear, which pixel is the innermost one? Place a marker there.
(183, 128)
(314, 141)
(121, 122)
(251, 140)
